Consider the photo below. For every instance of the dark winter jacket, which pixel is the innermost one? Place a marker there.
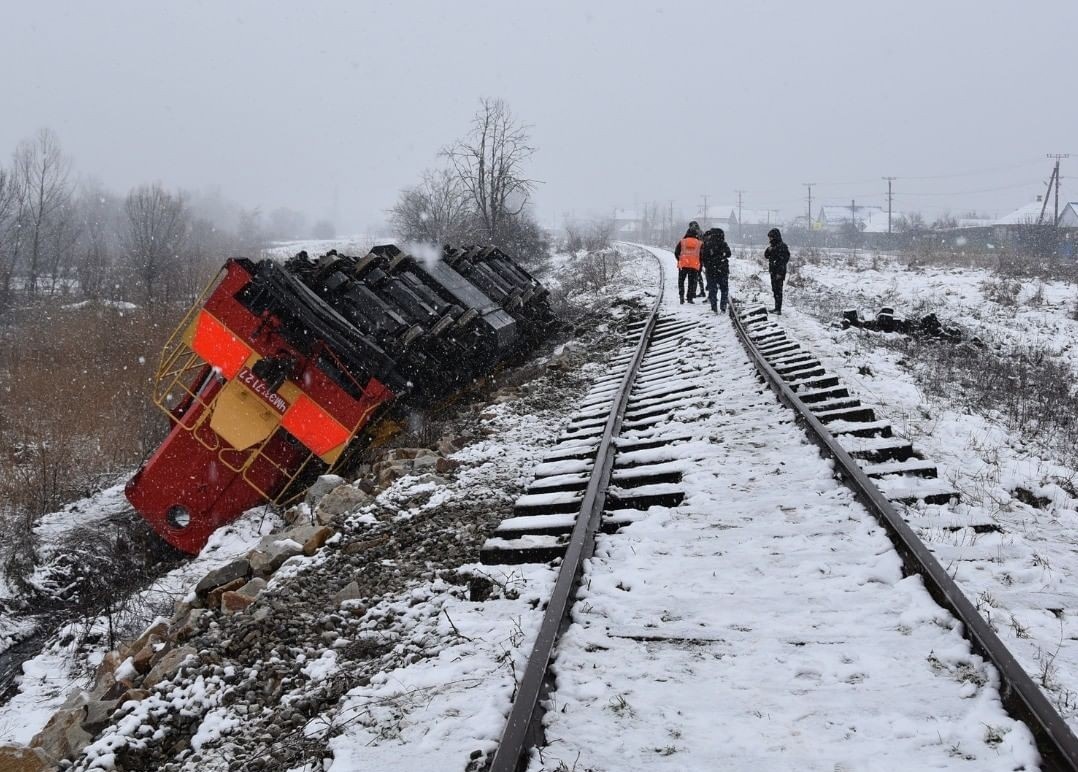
(715, 253)
(778, 255)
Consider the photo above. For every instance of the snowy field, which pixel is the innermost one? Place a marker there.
(356, 244)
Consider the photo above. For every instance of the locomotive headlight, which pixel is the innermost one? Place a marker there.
(178, 516)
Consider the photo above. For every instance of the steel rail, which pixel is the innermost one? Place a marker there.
(523, 727)
(1021, 696)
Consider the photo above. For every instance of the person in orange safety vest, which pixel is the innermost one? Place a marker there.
(687, 254)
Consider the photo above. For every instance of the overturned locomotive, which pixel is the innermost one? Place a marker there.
(279, 371)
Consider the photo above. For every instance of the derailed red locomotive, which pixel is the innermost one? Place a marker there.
(275, 375)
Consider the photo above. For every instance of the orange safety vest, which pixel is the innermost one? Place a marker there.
(689, 257)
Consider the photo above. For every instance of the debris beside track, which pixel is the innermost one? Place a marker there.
(927, 326)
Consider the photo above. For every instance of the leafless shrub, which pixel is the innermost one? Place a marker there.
(591, 237)
(1028, 386)
(437, 210)
(1001, 290)
(593, 271)
(75, 412)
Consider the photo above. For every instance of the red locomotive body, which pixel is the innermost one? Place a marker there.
(275, 371)
(238, 440)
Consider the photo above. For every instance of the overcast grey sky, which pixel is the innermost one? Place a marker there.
(281, 103)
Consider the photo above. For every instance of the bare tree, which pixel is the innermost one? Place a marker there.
(488, 162)
(156, 231)
(286, 224)
(42, 170)
(10, 198)
(436, 211)
(250, 235)
(591, 236)
(100, 216)
(60, 241)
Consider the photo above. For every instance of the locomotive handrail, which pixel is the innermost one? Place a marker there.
(1021, 696)
(523, 724)
(175, 346)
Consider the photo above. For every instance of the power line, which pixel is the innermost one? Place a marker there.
(973, 192)
(953, 175)
(976, 173)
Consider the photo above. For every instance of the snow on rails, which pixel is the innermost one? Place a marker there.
(737, 601)
(279, 372)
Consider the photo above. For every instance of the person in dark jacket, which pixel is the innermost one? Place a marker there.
(715, 260)
(778, 256)
(687, 254)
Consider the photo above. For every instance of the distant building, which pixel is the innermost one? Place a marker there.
(875, 220)
(1029, 214)
(755, 217)
(833, 218)
(1068, 215)
(717, 217)
(975, 222)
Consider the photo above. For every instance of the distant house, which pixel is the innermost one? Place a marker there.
(875, 220)
(1068, 215)
(724, 217)
(832, 218)
(1029, 214)
(754, 217)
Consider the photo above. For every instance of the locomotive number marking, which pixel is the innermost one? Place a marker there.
(259, 387)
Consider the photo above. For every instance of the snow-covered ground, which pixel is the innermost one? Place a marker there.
(764, 622)
(1020, 570)
(385, 637)
(356, 244)
(66, 660)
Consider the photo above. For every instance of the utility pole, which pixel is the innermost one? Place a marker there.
(809, 186)
(853, 214)
(890, 198)
(1055, 176)
(705, 207)
(739, 192)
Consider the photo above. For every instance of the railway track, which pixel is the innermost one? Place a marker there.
(740, 597)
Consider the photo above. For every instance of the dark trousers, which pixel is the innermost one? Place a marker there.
(718, 284)
(776, 288)
(690, 275)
